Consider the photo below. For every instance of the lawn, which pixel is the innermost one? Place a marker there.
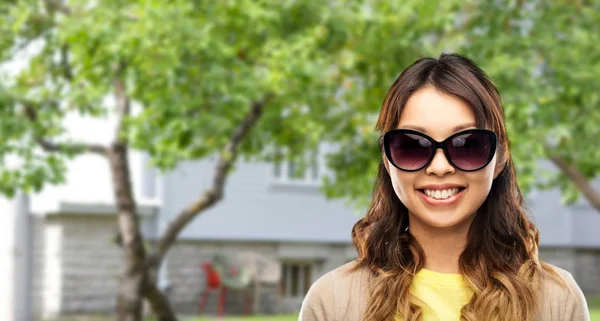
(290, 317)
(252, 318)
(594, 305)
(594, 311)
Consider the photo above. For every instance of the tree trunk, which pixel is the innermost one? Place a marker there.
(138, 278)
(158, 301)
(131, 285)
(579, 180)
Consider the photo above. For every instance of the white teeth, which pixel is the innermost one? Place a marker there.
(441, 194)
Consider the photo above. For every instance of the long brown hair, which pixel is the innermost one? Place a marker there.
(500, 262)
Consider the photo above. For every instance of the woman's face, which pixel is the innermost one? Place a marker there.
(439, 115)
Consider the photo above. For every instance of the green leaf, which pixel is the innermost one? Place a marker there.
(195, 68)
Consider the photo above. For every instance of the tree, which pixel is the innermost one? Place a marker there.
(238, 78)
(541, 57)
(224, 78)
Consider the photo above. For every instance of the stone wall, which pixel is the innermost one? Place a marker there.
(587, 270)
(91, 264)
(583, 264)
(76, 267)
(561, 257)
(188, 280)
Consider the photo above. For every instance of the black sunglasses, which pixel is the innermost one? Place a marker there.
(468, 151)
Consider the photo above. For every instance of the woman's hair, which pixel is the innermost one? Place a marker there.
(500, 262)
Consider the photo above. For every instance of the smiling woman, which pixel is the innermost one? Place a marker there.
(442, 184)
(446, 236)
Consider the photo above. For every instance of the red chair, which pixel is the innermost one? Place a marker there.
(215, 282)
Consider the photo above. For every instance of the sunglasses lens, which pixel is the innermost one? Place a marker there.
(409, 151)
(470, 151)
(467, 151)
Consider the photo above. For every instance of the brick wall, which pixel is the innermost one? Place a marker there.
(91, 264)
(76, 267)
(583, 264)
(188, 281)
(561, 257)
(587, 271)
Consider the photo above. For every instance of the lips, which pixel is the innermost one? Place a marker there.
(444, 194)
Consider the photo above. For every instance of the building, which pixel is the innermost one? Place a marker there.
(75, 263)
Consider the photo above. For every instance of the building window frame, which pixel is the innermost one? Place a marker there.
(296, 278)
(303, 170)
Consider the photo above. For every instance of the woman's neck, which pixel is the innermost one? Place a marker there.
(442, 246)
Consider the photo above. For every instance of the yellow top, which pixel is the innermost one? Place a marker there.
(443, 294)
(343, 294)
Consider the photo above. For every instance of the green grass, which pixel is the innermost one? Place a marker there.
(291, 317)
(594, 305)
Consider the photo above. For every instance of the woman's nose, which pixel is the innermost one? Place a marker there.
(439, 165)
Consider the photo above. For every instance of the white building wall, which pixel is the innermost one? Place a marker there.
(16, 259)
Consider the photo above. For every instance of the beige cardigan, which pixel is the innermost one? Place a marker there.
(342, 296)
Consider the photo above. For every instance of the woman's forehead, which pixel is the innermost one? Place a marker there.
(436, 113)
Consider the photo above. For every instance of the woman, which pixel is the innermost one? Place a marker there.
(446, 236)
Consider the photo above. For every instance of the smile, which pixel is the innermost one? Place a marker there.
(438, 197)
(441, 194)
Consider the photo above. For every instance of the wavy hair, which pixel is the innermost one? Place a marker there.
(500, 262)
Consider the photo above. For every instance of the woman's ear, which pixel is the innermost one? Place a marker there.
(499, 168)
(385, 163)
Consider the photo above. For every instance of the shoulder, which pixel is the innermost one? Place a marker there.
(563, 300)
(338, 295)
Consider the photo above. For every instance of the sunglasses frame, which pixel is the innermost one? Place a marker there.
(439, 145)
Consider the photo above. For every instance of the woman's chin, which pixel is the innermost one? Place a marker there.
(444, 220)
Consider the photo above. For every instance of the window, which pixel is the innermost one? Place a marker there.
(296, 279)
(303, 169)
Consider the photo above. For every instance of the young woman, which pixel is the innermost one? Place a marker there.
(446, 237)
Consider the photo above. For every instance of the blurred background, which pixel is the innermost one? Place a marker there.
(183, 159)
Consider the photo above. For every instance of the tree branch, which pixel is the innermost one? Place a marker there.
(215, 193)
(64, 62)
(71, 147)
(579, 180)
(52, 147)
(58, 5)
